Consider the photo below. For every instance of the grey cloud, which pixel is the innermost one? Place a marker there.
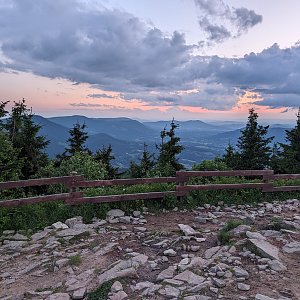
(216, 33)
(103, 95)
(115, 51)
(220, 21)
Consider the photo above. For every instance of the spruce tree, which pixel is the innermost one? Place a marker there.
(231, 157)
(290, 156)
(168, 151)
(23, 133)
(253, 145)
(146, 164)
(105, 157)
(77, 139)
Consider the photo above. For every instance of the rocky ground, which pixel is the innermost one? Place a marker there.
(171, 255)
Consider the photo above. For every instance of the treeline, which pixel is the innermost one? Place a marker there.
(23, 151)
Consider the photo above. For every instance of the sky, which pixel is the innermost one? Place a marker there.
(152, 59)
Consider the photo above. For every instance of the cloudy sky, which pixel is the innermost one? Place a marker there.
(152, 59)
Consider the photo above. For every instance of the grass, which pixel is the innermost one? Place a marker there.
(38, 216)
(75, 260)
(224, 235)
(101, 292)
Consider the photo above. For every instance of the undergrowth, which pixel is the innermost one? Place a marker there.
(38, 216)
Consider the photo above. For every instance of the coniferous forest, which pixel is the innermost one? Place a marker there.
(23, 156)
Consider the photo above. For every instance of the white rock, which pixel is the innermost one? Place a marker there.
(170, 252)
(59, 296)
(59, 225)
(263, 297)
(115, 213)
(187, 230)
(293, 247)
(277, 266)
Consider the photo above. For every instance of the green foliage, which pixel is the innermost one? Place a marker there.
(224, 235)
(10, 165)
(75, 260)
(145, 165)
(231, 157)
(254, 150)
(289, 158)
(23, 133)
(84, 164)
(211, 165)
(104, 157)
(78, 137)
(101, 293)
(167, 163)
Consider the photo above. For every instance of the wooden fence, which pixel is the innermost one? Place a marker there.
(74, 183)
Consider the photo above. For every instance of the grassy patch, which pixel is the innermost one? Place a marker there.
(101, 292)
(224, 235)
(75, 260)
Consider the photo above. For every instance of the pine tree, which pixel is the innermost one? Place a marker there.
(24, 136)
(290, 156)
(78, 137)
(105, 157)
(253, 145)
(168, 151)
(231, 157)
(145, 165)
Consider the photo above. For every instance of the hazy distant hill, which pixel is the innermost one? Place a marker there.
(200, 139)
(232, 136)
(120, 128)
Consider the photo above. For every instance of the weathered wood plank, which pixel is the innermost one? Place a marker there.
(212, 187)
(117, 198)
(188, 174)
(93, 183)
(40, 199)
(286, 176)
(40, 181)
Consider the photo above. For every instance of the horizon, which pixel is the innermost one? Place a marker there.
(191, 60)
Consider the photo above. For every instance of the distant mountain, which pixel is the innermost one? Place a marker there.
(55, 133)
(120, 128)
(186, 128)
(232, 136)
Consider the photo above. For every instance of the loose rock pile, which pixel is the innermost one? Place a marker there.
(171, 255)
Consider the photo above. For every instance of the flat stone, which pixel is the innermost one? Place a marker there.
(72, 222)
(220, 283)
(71, 232)
(209, 253)
(293, 247)
(19, 237)
(239, 272)
(115, 213)
(166, 274)
(79, 294)
(187, 230)
(39, 235)
(118, 296)
(265, 248)
(197, 297)
(62, 262)
(263, 297)
(59, 296)
(59, 225)
(189, 277)
(243, 287)
(170, 252)
(125, 268)
(169, 292)
(277, 266)
(196, 262)
(139, 229)
(255, 235)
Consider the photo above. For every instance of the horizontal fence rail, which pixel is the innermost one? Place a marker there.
(182, 186)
